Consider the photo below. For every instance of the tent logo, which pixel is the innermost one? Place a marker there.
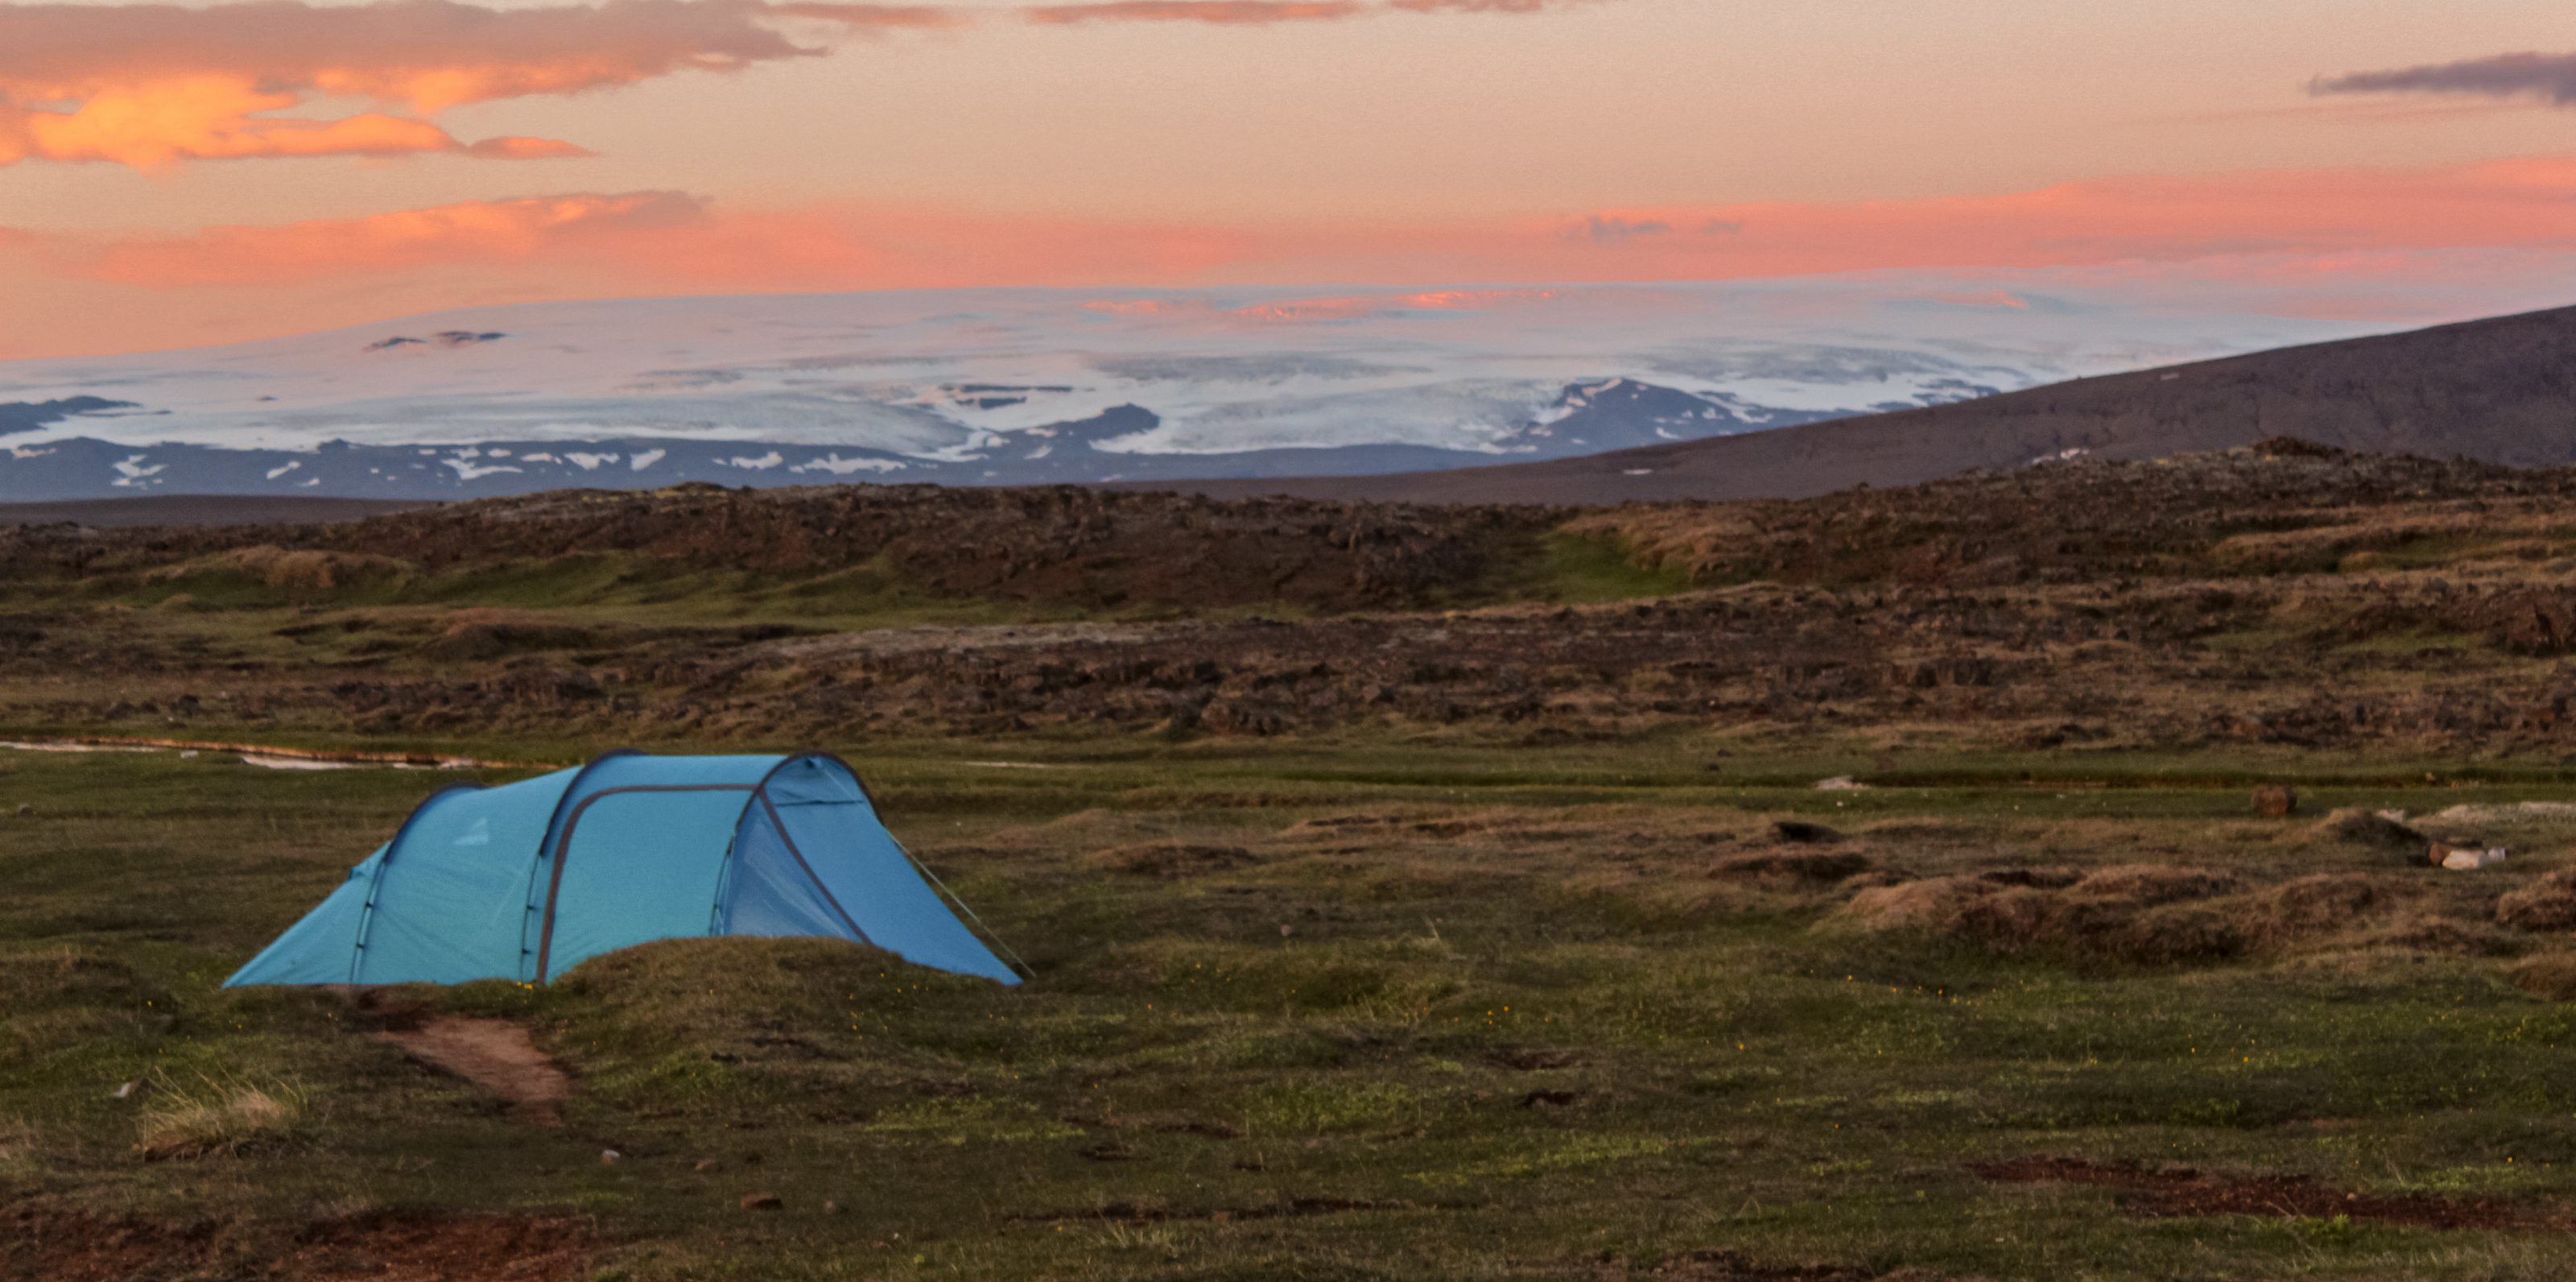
(478, 835)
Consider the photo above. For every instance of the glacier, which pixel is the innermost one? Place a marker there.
(1033, 386)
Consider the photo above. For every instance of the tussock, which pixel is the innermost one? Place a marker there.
(216, 1117)
(2548, 903)
(2152, 884)
(2320, 905)
(2162, 914)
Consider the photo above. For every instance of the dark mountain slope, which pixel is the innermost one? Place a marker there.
(2500, 390)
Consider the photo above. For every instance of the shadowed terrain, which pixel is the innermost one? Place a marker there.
(2289, 595)
(197, 509)
(2502, 391)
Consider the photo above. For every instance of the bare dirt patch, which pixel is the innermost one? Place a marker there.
(494, 1054)
(2164, 1192)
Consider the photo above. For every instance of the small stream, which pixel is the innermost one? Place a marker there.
(263, 757)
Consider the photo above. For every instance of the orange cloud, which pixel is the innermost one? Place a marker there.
(202, 118)
(493, 231)
(151, 84)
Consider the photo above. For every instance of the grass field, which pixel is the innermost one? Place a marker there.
(1351, 1007)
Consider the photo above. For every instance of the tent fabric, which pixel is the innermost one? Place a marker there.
(527, 880)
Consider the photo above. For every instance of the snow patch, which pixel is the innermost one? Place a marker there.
(132, 474)
(838, 466)
(470, 471)
(760, 464)
(284, 468)
(646, 458)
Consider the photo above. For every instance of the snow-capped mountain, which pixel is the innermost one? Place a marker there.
(1017, 386)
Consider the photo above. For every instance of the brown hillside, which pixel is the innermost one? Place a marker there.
(1061, 545)
(2500, 391)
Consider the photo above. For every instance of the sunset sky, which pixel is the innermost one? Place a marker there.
(180, 176)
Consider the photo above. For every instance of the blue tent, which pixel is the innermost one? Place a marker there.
(526, 880)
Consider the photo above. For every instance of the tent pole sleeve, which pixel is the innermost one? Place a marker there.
(563, 849)
(545, 849)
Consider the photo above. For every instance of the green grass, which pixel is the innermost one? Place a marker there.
(616, 588)
(1573, 568)
(636, 589)
(1507, 1031)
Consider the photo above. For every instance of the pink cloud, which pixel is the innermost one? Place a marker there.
(674, 240)
(2348, 239)
(2519, 203)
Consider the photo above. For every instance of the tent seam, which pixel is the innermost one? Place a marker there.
(376, 879)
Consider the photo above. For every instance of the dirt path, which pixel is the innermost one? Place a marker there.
(494, 1054)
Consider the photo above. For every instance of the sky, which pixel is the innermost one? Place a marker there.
(177, 176)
